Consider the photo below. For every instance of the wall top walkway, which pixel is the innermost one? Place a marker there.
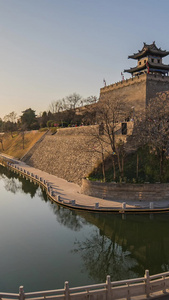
(68, 193)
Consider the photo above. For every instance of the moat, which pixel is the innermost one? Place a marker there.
(42, 244)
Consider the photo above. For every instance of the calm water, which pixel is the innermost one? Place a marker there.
(42, 245)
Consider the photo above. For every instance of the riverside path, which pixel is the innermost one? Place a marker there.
(68, 193)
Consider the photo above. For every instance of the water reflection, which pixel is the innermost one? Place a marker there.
(125, 248)
(68, 218)
(102, 256)
(110, 244)
(15, 183)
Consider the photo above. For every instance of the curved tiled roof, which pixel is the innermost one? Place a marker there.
(151, 65)
(149, 50)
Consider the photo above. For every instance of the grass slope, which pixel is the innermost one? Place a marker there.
(13, 146)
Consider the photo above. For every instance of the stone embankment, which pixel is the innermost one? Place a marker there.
(71, 153)
(68, 194)
(65, 154)
(127, 192)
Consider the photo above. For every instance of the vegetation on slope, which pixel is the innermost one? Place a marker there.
(13, 146)
(140, 166)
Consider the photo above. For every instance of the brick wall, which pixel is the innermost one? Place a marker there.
(124, 192)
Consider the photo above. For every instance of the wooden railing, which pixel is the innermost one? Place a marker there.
(145, 286)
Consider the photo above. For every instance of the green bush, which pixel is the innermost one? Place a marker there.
(43, 129)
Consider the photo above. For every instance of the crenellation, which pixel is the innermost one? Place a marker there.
(137, 91)
(122, 83)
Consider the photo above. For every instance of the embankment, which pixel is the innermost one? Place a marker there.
(65, 154)
(126, 191)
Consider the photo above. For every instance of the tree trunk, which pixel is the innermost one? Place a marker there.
(122, 168)
(119, 163)
(161, 164)
(114, 169)
(103, 168)
(137, 166)
(23, 140)
(2, 144)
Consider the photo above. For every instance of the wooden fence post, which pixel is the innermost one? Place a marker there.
(66, 287)
(108, 287)
(147, 283)
(21, 293)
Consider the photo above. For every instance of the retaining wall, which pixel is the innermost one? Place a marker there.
(126, 191)
(70, 153)
(65, 154)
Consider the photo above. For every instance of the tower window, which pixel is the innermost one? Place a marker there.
(139, 62)
(152, 60)
(158, 61)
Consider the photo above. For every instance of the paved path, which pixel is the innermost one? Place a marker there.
(69, 191)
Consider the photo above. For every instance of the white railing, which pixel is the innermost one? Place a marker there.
(145, 286)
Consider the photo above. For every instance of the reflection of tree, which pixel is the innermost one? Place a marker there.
(102, 257)
(14, 183)
(67, 217)
(143, 238)
(42, 194)
(28, 187)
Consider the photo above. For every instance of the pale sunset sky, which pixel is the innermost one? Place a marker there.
(53, 48)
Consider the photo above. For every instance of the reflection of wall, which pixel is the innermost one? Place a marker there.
(122, 191)
(144, 236)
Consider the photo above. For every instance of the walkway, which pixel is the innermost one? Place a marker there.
(69, 193)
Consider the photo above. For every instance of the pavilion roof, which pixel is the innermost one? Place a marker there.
(151, 66)
(149, 50)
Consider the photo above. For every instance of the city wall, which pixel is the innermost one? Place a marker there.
(124, 192)
(136, 91)
(64, 154)
(68, 153)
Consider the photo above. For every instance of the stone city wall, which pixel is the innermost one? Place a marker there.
(131, 91)
(67, 154)
(156, 84)
(136, 91)
(126, 191)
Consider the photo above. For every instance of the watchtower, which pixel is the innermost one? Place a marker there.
(149, 77)
(149, 60)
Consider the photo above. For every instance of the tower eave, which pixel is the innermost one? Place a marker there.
(160, 67)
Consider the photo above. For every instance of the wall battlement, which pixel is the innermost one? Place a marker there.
(136, 91)
(133, 80)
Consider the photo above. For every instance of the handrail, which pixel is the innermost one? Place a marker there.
(109, 290)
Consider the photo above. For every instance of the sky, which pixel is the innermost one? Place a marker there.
(53, 48)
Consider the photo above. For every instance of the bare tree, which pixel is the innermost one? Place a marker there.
(10, 122)
(111, 112)
(23, 129)
(104, 138)
(57, 106)
(73, 101)
(152, 128)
